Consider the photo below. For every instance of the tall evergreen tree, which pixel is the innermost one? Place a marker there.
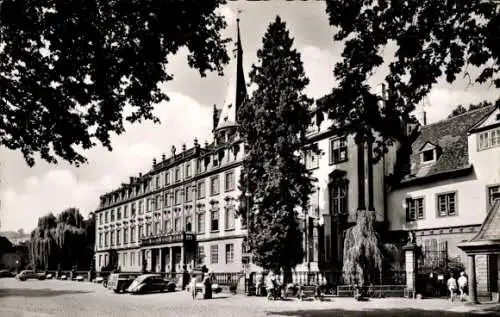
(274, 122)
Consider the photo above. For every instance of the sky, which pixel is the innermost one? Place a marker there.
(29, 193)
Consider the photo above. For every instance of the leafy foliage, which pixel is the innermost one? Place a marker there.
(460, 109)
(362, 253)
(70, 67)
(433, 39)
(64, 241)
(273, 124)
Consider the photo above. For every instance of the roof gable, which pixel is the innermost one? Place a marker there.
(451, 137)
(428, 146)
(490, 120)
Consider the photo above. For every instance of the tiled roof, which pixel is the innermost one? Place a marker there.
(451, 137)
(490, 230)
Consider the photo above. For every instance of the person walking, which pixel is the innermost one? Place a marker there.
(270, 285)
(259, 280)
(462, 285)
(193, 285)
(452, 286)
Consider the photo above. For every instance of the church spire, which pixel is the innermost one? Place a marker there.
(237, 91)
(241, 89)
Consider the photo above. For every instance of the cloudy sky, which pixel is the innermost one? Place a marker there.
(28, 193)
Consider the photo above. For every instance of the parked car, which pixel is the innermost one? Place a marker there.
(28, 274)
(149, 283)
(119, 282)
(5, 273)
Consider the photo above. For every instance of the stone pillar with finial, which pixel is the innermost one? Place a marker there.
(183, 147)
(163, 157)
(173, 150)
(411, 255)
(206, 143)
(154, 162)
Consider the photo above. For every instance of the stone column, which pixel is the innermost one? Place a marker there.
(171, 258)
(411, 267)
(472, 279)
(162, 261)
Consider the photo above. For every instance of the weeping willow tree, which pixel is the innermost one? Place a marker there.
(362, 254)
(63, 241)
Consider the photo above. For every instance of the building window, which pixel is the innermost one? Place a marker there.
(141, 231)
(132, 258)
(414, 209)
(132, 210)
(311, 160)
(446, 204)
(214, 223)
(100, 240)
(106, 217)
(428, 156)
(100, 218)
(189, 223)
(168, 225)
(100, 261)
(140, 207)
(148, 229)
(214, 254)
(106, 240)
(492, 190)
(200, 225)
(177, 174)
(167, 178)
(339, 198)
(125, 211)
(112, 215)
(118, 231)
(229, 181)
(214, 185)
(188, 170)
(229, 253)
(119, 213)
(125, 235)
(200, 254)
(314, 204)
(200, 189)
(177, 198)
(112, 238)
(215, 160)
(157, 182)
(189, 193)
(132, 234)
(177, 224)
(489, 139)
(156, 228)
(230, 218)
(338, 150)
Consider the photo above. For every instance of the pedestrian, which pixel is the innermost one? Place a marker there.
(462, 285)
(185, 277)
(259, 280)
(270, 286)
(452, 286)
(193, 285)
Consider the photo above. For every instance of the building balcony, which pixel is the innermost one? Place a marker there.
(166, 238)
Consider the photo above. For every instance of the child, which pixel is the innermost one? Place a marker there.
(452, 286)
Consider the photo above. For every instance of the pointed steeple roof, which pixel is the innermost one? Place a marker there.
(237, 91)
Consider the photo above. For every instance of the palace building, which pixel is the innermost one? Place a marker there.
(183, 210)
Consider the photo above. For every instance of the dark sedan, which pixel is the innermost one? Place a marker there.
(150, 283)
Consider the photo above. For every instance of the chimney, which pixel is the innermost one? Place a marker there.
(425, 118)
(206, 143)
(140, 174)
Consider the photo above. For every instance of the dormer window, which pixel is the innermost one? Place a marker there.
(429, 152)
(428, 156)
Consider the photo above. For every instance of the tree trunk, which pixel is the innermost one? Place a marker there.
(287, 276)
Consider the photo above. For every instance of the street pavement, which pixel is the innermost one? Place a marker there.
(83, 299)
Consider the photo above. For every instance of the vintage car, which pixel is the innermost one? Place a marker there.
(28, 274)
(149, 283)
(119, 282)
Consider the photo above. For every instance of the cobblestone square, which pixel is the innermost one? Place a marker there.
(82, 299)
